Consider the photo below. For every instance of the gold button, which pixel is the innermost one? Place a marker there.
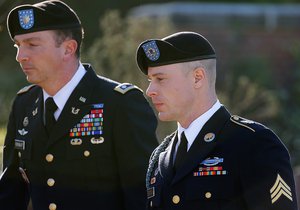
(176, 199)
(49, 158)
(52, 206)
(19, 154)
(208, 195)
(50, 182)
(86, 153)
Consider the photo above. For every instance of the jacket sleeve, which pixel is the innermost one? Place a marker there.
(13, 189)
(266, 175)
(135, 139)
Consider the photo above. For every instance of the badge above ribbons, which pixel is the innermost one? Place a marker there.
(26, 18)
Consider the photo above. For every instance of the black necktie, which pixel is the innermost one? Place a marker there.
(50, 108)
(181, 152)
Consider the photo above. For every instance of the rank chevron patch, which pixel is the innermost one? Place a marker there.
(280, 188)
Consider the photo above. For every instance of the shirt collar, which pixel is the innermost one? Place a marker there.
(61, 97)
(195, 127)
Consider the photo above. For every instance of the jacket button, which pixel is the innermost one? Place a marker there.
(86, 153)
(176, 199)
(19, 154)
(50, 182)
(208, 195)
(52, 206)
(49, 158)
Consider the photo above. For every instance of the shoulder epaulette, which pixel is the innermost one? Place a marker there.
(125, 87)
(25, 89)
(242, 122)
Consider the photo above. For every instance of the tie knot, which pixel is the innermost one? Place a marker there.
(50, 104)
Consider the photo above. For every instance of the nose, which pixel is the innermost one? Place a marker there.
(21, 55)
(151, 90)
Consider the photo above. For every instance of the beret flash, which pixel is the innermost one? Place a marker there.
(46, 15)
(176, 48)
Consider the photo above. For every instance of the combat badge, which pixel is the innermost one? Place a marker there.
(210, 167)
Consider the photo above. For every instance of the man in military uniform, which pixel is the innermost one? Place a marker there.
(214, 160)
(74, 140)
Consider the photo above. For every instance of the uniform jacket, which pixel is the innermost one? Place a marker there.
(95, 158)
(233, 164)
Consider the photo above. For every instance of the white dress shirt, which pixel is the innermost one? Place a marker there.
(195, 127)
(61, 97)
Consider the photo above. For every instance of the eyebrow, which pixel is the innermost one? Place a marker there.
(28, 39)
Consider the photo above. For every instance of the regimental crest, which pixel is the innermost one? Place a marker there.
(151, 50)
(26, 18)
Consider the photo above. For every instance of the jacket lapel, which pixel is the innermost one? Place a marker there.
(77, 106)
(202, 146)
(165, 161)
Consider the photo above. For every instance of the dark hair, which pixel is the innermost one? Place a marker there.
(74, 33)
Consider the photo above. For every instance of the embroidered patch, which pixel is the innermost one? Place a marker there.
(26, 18)
(90, 124)
(151, 50)
(280, 188)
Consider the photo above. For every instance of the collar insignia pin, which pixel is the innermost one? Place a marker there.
(82, 99)
(75, 111)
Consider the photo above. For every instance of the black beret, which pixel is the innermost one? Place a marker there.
(176, 48)
(46, 15)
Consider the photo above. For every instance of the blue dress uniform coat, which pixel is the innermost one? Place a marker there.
(80, 165)
(233, 164)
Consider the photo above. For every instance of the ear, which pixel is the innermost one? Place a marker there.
(70, 47)
(199, 77)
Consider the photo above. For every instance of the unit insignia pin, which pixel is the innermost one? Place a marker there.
(75, 111)
(209, 137)
(25, 121)
(99, 140)
(22, 132)
(34, 112)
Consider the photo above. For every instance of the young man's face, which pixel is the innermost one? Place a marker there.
(39, 56)
(171, 91)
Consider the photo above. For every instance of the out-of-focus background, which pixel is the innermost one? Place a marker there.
(257, 43)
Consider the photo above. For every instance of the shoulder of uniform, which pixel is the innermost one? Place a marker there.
(243, 122)
(126, 87)
(25, 89)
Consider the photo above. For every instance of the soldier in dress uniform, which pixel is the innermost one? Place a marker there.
(88, 146)
(214, 160)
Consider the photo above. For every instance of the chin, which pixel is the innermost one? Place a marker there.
(164, 117)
